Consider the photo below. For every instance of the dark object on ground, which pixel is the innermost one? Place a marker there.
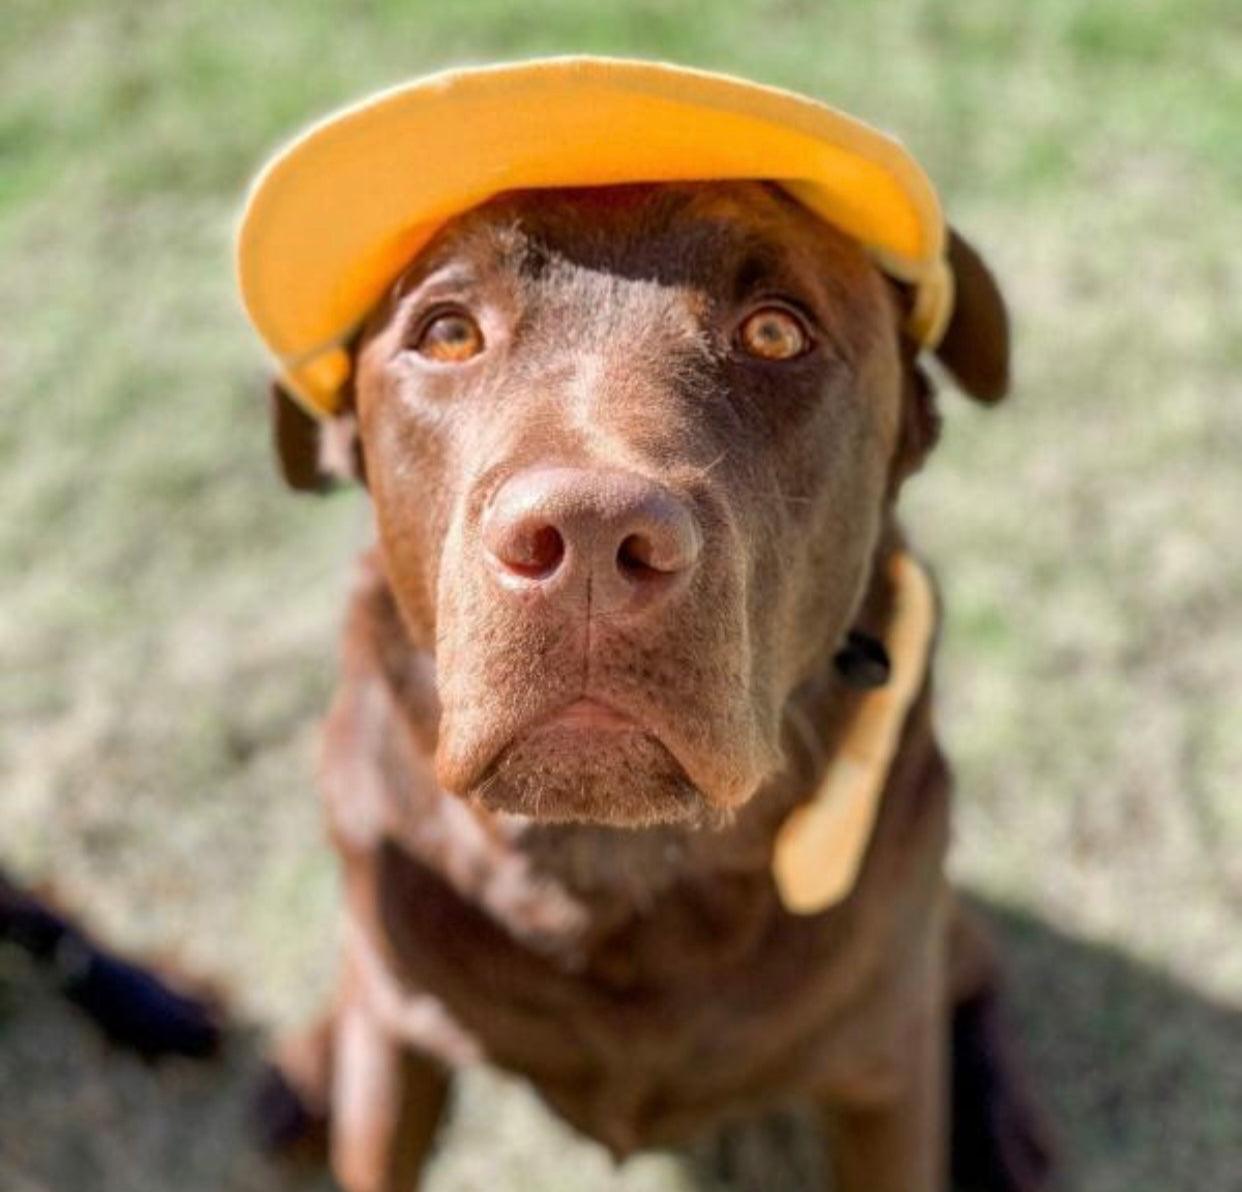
(132, 1005)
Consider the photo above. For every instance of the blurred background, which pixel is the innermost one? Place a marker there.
(168, 613)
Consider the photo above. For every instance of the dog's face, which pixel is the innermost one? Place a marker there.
(630, 452)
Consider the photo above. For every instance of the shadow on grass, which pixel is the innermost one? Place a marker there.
(1142, 1077)
(79, 1115)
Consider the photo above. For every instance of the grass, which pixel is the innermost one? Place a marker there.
(168, 614)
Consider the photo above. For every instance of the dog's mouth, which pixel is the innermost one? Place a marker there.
(591, 762)
(588, 715)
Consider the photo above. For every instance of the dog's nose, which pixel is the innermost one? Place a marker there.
(630, 538)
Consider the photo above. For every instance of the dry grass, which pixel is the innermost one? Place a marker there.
(167, 613)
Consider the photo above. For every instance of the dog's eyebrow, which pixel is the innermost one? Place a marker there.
(761, 267)
(411, 291)
(756, 267)
(452, 276)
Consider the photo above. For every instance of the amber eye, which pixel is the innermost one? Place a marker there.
(772, 333)
(450, 338)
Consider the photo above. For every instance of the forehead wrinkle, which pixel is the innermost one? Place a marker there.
(643, 231)
(672, 234)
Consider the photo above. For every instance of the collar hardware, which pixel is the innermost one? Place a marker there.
(863, 662)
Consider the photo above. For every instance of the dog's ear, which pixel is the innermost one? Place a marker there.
(975, 345)
(314, 455)
(919, 429)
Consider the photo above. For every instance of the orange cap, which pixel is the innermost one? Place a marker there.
(337, 213)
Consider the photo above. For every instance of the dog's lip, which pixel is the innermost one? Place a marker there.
(591, 714)
(588, 713)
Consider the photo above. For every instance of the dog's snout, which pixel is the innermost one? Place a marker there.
(627, 539)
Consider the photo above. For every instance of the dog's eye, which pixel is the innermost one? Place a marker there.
(450, 337)
(772, 333)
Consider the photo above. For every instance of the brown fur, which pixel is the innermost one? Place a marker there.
(591, 904)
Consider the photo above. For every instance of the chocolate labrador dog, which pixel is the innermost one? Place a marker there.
(634, 454)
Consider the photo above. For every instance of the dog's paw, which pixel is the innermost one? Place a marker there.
(1000, 1141)
(289, 1108)
(284, 1122)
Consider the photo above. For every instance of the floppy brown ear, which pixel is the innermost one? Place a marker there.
(313, 454)
(975, 346)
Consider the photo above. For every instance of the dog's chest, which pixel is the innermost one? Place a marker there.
(710, 1000)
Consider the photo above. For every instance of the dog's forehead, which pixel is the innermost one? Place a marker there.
(707, 235)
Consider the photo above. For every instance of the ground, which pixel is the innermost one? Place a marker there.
(168, 612)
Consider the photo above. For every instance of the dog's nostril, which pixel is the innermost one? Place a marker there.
(634, 557)
(536, 554)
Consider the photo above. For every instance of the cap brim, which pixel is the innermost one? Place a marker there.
(340, 211)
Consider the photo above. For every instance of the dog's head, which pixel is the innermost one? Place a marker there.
(631, 451)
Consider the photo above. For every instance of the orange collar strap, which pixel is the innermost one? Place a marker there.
(820, 847)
